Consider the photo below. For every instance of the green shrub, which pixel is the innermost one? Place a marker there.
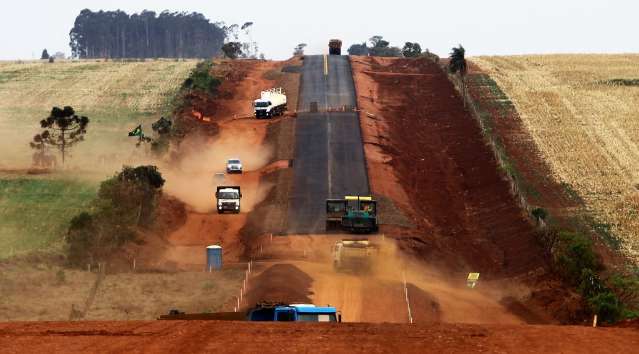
(607, 306)
(125, 202)
(201, 79)
(590, 284)
(540, 213)
(572, 254)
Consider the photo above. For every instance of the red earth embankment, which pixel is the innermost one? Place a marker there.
(435, 149)
(246, 337)
(427, 154)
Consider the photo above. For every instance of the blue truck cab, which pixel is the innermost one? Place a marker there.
(295, 313)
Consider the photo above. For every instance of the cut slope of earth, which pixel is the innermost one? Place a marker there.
(581, 113)
(427, 154)
(457, 197)
(244, 337)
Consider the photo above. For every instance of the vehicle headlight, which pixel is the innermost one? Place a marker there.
(237, 206)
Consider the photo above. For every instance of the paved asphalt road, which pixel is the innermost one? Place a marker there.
(329, 155)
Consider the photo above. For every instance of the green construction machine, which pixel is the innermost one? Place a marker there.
(356, 214)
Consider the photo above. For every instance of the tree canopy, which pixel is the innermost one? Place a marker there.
(411, 50)
(458, 61)
(126, 203)
(299, 49)
(358, 49)
(115, 34)
(232, 50)
(379, 48)
(62, 129)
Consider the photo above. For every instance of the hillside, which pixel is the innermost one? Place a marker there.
(580, 111)
(115, 95)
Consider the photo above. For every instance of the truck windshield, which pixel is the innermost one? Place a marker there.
(316, 317)
(229, 195)
(262, 104)
(234, 161)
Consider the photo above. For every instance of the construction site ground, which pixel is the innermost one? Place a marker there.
(448, 211)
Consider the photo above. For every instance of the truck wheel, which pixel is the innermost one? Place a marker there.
(219, 211)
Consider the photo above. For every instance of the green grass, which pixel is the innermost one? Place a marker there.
(35, 212)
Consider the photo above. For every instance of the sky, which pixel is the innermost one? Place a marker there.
(483, 27)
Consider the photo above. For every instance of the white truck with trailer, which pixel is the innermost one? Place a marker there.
(271, 103)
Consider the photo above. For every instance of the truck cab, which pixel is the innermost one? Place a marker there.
(271, 103)
(228, 199)
(294, 313)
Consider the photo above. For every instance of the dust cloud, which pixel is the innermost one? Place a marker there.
(435, 296)
(193, 181)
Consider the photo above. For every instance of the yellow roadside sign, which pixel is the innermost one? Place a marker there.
(472, 280)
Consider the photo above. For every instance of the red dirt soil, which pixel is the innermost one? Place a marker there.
(246, 337)
(427, 154)
(460, 202)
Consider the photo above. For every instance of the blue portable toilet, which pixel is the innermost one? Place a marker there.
(213, 258)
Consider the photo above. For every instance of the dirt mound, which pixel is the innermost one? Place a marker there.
(280, 282)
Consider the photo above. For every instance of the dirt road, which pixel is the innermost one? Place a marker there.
(378, 294)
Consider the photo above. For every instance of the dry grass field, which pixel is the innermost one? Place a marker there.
(581, 111)
(46, 292)
(114, 95)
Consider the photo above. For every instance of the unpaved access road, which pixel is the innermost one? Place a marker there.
(329, 155)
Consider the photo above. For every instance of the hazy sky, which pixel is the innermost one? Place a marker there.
(482, 26)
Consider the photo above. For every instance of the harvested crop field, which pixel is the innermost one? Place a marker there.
(115, 95)
(581, 113)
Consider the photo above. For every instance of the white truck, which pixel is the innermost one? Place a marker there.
(228, 199)
(271, 103)
(233, 165)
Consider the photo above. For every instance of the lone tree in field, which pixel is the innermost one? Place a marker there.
(63, 129)
(412, 50)
(232, 50)
(299, 49)
(457, 65)
(45, 54)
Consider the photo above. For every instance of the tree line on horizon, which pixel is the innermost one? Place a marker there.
(115, 34)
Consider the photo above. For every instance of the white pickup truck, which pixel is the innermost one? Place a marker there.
(234, 166)
(271, 103)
